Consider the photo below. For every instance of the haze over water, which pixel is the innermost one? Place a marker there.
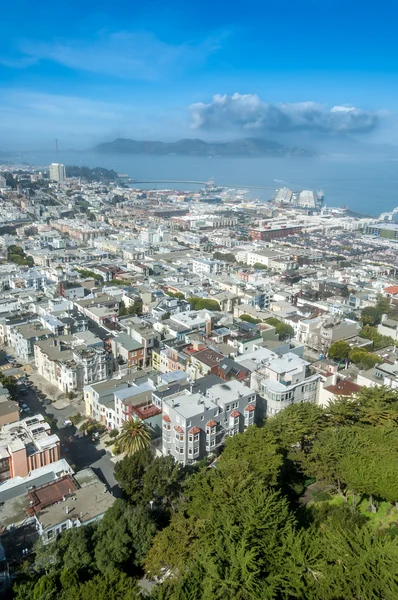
(367, 185)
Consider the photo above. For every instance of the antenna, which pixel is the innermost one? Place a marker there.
(56, 145)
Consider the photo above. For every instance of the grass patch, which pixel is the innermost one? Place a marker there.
(385, 516)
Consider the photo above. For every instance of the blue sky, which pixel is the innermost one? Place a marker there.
(89, 72)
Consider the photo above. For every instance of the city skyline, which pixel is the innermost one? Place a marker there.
(163, 72)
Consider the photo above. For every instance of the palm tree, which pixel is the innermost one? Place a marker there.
(134, 436)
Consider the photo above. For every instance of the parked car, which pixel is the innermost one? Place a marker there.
(68, 423)
(25, 408)
(46, 402)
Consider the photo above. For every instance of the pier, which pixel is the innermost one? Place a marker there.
(205, 183)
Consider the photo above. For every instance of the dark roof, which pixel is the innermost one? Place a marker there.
(229, 366)
(345, 387)
(209, 357)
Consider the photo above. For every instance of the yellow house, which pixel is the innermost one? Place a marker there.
(156, 360)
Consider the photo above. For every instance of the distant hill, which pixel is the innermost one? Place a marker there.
(195, 147)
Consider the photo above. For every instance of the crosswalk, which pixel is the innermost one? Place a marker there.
(5, 367)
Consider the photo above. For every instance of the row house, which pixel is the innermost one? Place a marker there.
(128, 350)
(70, 368)
(23, 338)
(143, 333)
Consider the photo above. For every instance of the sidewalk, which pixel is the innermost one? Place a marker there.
(47, 388)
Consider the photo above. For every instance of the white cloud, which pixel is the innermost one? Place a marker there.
(130, 55)
(247, 112)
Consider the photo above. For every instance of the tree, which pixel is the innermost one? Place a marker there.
(259, 266)
(129, 472)
(283, 330)
(344, 292)
(17, 255)
(123, 537)
(364, 359)
(134, 436)
(250, 319)
(339, 350)
(370, 315)
(203, 304)
(379, 341)
(225, 256)
(115, 585)
(297, 426)
(9, 382)
(383, 304)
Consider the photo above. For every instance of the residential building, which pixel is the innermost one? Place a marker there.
(334, 389)
(283, 381)
(70, 366)
(204, 266)
(57, 172)
(127, 349)
(25, 446)
(23, 338)
(195, 425)
(9, 409)
(144, 334)
(388, 327)
(68, 503)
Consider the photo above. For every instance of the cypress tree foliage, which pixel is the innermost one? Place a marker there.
(234, 529)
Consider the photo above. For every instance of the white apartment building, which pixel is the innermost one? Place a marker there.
(265, 257)
(195, 425)
(206, 267)
(57, 172)
(283, 381)
(319, 333)
(68, 368)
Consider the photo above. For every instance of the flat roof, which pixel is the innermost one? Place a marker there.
(86, 504)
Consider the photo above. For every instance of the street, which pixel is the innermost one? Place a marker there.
(79, 450)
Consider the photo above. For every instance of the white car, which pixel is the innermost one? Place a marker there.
(68, 423)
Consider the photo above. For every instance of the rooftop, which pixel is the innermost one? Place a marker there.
(85, 504)
(344, 387)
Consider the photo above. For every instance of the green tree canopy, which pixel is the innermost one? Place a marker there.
(134, 436)
(364, 359)
(283, 330)
(203, 304)
(370, 315)
(339, 350)
(250, 319)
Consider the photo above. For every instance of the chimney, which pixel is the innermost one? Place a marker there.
(67, 509)
(209, 326)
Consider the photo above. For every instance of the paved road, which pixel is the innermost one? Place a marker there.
(80, 451)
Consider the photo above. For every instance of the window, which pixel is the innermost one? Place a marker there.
(181, 450)
(196, 437)
(190, 438)
(216, 412)
(213, 443)
(228, 408)
(196, 450)
(50, 534)
(189, 450)
(64, 526)
(188, 423)
(202, 418)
